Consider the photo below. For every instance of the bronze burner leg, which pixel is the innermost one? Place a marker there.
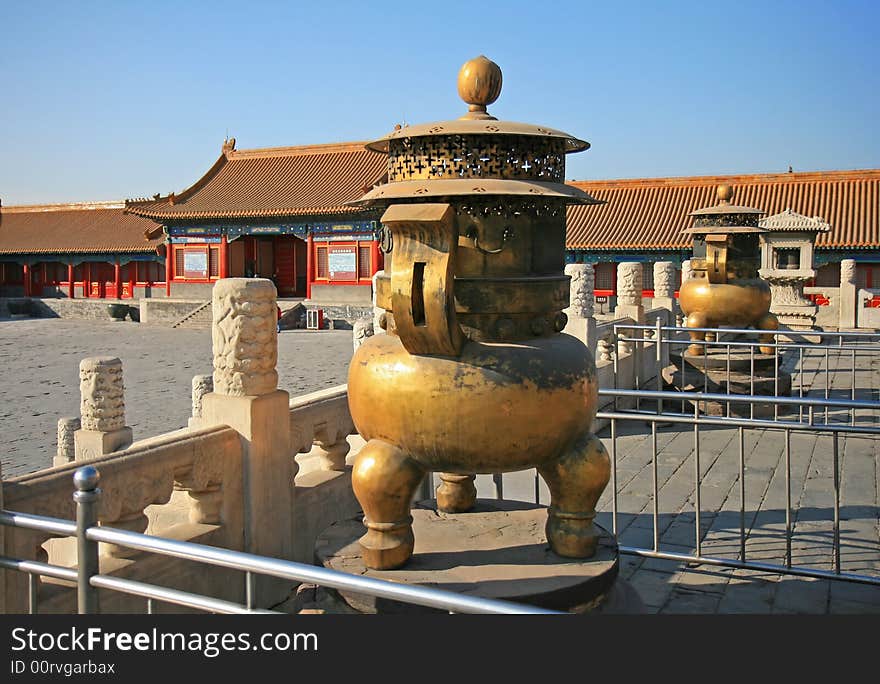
(768, 322)
(385, 479)
(576, 481)
(696, 320)
(456, 493)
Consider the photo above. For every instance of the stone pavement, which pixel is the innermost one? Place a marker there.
(40, 357)
(40, 360)
(669, 586)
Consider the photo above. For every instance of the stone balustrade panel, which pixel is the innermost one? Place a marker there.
(320, 422)
(206, 463)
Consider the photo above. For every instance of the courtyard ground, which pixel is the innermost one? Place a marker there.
(40, 360)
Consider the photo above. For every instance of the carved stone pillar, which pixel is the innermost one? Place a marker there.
(664, 286)
(605, 350)
(848, 294)
(201, 385)
(66, 449)
(102, 408)
(378, 311)
(582, 297)
(687, 271)
(246, 397)
(362, 329)
(629, 292)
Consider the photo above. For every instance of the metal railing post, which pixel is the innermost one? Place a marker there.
(86, 497)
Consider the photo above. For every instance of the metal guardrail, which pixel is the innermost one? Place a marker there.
(88, 578)
(848, 344)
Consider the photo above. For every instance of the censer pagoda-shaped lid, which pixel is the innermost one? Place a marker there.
(725, 217)
(476, 154)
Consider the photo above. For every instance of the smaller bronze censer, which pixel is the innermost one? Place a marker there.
(474, 374)
(725, 289)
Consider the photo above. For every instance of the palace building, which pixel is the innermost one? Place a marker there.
(90, 250)
(282, 213)
(643, 219)
(277, 213)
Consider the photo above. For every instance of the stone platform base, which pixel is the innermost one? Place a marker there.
(709, 373)
(497, 551)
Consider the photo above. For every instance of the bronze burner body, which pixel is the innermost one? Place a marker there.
(474, 374)
(725, 289)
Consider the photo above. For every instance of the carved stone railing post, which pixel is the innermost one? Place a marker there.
(362, 329)
(66, 449)
(629, 292)
(378, 311)
(624, 346)
(605, 350)
(664, 286)
(201, 385)
(581, 323)
(687, 270)
(848, 294)
(205, 498)
(246, 397)
(102, 408)
(629, 301)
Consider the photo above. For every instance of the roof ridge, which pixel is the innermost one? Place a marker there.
(297, 150)
(62, 206)
(846, 174)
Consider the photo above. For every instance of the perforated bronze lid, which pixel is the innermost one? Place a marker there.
(477, 154)
(725, 217)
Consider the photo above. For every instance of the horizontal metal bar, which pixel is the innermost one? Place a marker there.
(686, 419)
(743, 398)
(300, 572)
(752, 565)
(180, 598)
(742, 331)
(29, 521)
(38, 568)
(742, 343)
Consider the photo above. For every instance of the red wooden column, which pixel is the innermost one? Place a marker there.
(374, 257)
(169, 253)
(310, 265)
(117, 278)
(26, 269)
(224, 257)
(70, 280)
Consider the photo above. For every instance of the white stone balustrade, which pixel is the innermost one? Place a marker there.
(66, 444)
(207, 460)
(581, 322)
(102, 408)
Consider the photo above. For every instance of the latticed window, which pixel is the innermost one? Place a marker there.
(179, 262)
(605, 276)
(214, 263)
(79, 272)
(364, 261)
(647, 276)
(321, 268)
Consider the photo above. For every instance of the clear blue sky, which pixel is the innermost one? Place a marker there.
(123, 99)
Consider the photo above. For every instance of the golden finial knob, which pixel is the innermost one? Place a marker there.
(724, 193)
(479, 84)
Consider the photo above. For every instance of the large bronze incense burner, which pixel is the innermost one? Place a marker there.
(474, 374)
(725, 289)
